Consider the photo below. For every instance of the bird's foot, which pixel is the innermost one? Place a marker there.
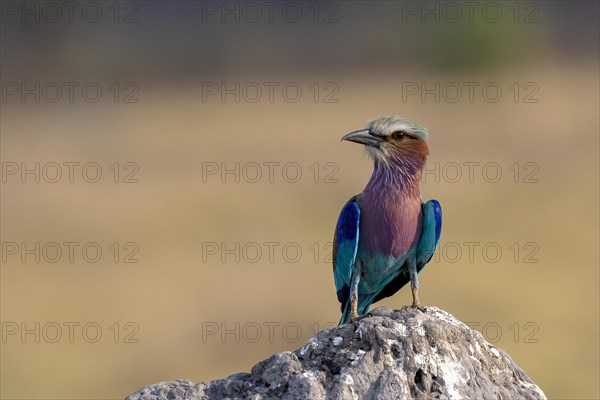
(362, 316)
(419, 307)
(413, 306)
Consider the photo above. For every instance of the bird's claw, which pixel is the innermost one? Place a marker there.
(412, 307)
(365, 315)
(419, 307)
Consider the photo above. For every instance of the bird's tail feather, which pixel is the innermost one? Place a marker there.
(345, 314)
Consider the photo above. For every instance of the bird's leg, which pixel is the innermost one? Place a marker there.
(354, 292)
(414, 284)
(415, 294)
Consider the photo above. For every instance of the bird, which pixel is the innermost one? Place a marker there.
(385, 235)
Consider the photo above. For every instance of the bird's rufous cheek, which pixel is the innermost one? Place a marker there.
(417, 146)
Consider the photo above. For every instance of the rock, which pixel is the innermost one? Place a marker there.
(387, 354)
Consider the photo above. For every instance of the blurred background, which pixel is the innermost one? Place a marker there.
(172, 173)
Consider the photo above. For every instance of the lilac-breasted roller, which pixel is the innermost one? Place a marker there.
(386, 234)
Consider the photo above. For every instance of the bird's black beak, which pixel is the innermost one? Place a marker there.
(364, 136)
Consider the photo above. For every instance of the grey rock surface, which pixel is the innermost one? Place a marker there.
(388, 354)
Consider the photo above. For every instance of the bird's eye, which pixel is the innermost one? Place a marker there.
(398, 135)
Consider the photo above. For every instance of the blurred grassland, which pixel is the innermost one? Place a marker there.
(171, 293)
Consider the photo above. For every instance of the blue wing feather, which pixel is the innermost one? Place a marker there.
(437, 210)
(430, 233)
(345, 247)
